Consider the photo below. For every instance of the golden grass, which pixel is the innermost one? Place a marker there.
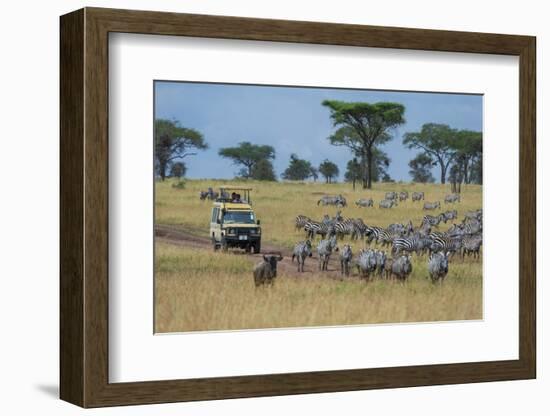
(197, 289)
(201, 290)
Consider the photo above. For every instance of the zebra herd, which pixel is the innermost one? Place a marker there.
(391, 200)
(389, 249)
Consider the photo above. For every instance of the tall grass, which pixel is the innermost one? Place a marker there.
(200, 290)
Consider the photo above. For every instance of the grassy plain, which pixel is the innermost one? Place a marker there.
(197, 289)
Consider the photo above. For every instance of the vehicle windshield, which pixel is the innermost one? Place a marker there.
(240, 217)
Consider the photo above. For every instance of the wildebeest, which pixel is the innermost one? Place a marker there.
(387, 203)
(337, 200)
(302, 250)
(366, 263)
(417, 196)
(391, 195)
(401, 267)
(324, 249)
(449, 199)
(345, 259)
(403, 196)
(438, 266)
(431, 205)
(364, 202)
(265, 272)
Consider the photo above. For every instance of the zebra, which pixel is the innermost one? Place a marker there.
(301, 251)
(438, 266)
(431, 205)
(313, 228)
(401, 267)
(324, 249)
(396, 228)
(403, 196)
(345, 259)
(301, 221)
(366, 263)
(473, 215)
(387, 203)
(417, 196)
(380, 261)
(405, 244)
(385, 237)
(471, 246)
(472, 227)
(364, 202)
(338, 200)
(373, 233)
(451, 244)
(449, 215)
(432, 220)
(449, 199)
(359, 229)
(391, 195)
(345, 227)
(455, 230)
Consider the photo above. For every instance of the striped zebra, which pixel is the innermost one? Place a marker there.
(473, 215)
(364, 202)
(432, 220)
(313, 228)
(450, 199)
(449, 215)
(301, 221)
(324, 250)
(301, 251)
(471, 246)
(416, 243)
(403, 196)
(344, 227)
(387, 203)
(391, 195)
(372, 233)
(417, 196)
(452, 244)
(431, 205)
(472, 227)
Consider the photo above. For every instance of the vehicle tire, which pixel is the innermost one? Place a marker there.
(257, 247)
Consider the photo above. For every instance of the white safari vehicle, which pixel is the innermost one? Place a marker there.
(233, 222)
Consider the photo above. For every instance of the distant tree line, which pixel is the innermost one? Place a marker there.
(362, 128)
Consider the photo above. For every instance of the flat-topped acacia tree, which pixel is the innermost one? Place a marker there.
(362, 127)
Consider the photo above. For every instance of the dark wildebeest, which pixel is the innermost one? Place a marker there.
(265, 272)
(302, 250)
(438, 266)
(345, 259)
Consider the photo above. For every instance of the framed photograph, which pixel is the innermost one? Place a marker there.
(255, 207)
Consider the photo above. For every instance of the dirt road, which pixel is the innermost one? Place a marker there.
(172, 234)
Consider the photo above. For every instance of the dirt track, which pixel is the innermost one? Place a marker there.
(171, 234)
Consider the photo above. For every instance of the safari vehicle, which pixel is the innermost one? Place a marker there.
(233, 222)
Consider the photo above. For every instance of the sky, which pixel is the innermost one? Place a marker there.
(292, 120)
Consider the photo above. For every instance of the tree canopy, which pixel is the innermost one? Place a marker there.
(363, 126)
(298, 169)
(421, 167)
(248, 155)
(173, 142)
(437, 140)
(329, 170)
(178, 169)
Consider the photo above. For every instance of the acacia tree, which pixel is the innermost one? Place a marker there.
(362, 127)
(298, 169)
(353, 172)
(173, 142)
(468, 149)
(178, 169)
(438, 141)
(421, 167)
(263, 171)
(248, 155)
(329, 170)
